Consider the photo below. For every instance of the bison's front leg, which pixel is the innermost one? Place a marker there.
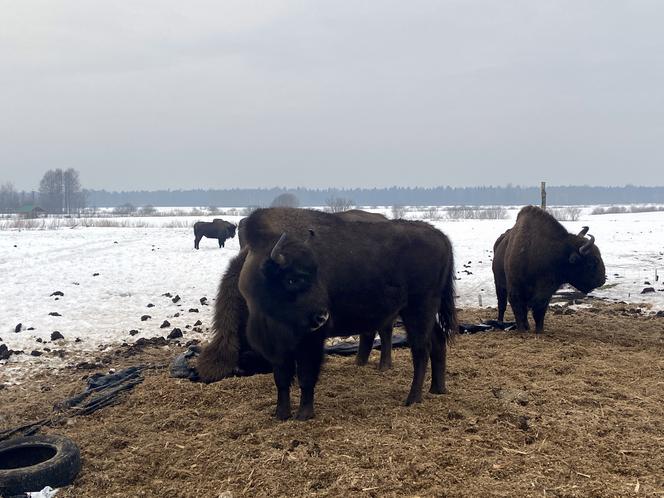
(283, 376)
(221, 242)
(309, 360)
(520, 310)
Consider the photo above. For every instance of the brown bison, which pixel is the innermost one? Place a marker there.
(309, 275)
(534, 258)
(229, 352)
(215, 229)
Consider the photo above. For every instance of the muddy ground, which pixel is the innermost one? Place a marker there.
(578, 411)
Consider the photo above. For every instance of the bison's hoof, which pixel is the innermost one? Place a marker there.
(438, 390)
(305, 414)
(283, 413)
(384, 367)
(360, 362)
(411, 400)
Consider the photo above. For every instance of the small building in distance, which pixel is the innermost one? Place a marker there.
(31, 211)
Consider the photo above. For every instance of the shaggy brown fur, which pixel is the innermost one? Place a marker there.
(220, 358)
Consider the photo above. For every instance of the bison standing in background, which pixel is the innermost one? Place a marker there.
(309, 275)
(216, 229)
(534, 258)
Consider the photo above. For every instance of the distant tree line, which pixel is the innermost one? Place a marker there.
(60, 192)
(403, 196)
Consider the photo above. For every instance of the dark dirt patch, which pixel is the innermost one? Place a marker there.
(578, 411)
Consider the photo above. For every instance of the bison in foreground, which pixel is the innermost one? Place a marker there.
(229, 352)
(534, 258)
(309, 275)
(215, 229)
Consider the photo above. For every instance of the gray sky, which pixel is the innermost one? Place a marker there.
(317, 93)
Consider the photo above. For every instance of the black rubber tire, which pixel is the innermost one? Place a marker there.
(59, 469)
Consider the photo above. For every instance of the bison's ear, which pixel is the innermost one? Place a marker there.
(574, 258)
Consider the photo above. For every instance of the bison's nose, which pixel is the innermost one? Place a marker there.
(319, 320)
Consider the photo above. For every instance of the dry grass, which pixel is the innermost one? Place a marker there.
(578, 411)
(60, 223)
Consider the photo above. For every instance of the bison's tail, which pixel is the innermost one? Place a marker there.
(447, 314)
(220, 357)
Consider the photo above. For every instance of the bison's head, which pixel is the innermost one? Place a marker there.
(587, 270)
(285, 297)
(231, 230)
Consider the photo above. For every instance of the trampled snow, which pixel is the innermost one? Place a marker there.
(137, 266)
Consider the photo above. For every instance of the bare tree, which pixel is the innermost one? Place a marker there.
(147, 210)
(60, 191)
(51, 191)
(398, 212)
(9, 198)
(285, 200)
(71, 187)
(126, 209)
(338, 204)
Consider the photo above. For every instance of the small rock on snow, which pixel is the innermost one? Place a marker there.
(175, 334)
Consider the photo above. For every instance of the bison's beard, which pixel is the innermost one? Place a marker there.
(271, 338)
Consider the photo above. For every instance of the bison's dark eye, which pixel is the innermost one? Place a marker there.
(296, 283)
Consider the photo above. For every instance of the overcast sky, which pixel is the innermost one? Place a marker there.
(317, 93)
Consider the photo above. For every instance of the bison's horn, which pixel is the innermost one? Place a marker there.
(276, 255)
(583, 250)
(583, 231)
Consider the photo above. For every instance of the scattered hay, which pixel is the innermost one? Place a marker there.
(578, 411)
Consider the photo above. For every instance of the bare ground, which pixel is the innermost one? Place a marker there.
(578, 411)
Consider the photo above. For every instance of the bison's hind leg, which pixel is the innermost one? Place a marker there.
(385, 334)
(539, 310)
(419, 321)
(364, 349)
(501, 295)
(438, 360)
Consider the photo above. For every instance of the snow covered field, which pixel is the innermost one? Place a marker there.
(109, 276)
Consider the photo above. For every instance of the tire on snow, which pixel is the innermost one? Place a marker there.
(31, 463)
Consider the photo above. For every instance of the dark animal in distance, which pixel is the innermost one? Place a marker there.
(309, 275)
(216, 229)
(229, 352)
(534, 258)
